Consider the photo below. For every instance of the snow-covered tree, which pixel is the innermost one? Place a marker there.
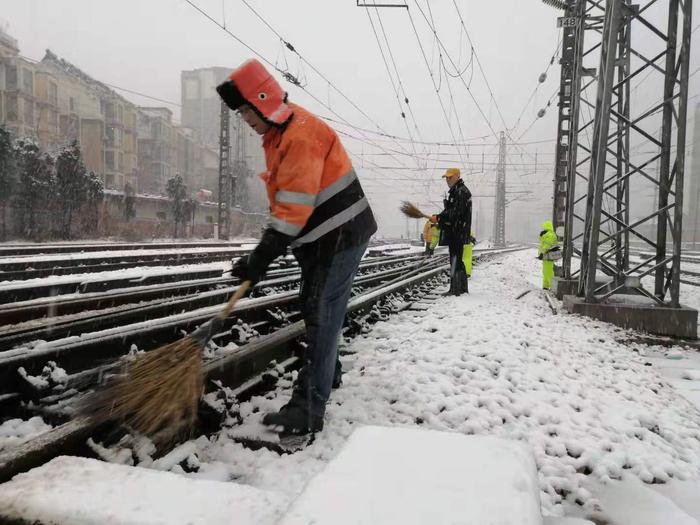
(71, 185)
(7, 177)
(94, 197)
(129, 202)
(35, 185)
(177, 191)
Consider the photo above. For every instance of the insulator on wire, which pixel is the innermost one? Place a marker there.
(543, 77)
(406, 100)
(541, 113)
(403, 115)
(557, 4)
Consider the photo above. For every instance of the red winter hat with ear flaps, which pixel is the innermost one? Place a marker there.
(252, 84)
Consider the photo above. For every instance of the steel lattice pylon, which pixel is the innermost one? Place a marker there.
(635, 44)
(499, 209)
(225, 189)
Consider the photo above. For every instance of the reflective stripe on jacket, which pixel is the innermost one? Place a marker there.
(312, 186)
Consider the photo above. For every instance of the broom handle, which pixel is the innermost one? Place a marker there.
(242, 289)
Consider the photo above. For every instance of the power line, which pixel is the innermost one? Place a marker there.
(478, 63)
(398, 76)
(432, 79)
(293, 49)
(539, 83)
(476, 103)
(290, 78)
(391, 79)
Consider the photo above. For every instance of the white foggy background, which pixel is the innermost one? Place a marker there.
(144, 46)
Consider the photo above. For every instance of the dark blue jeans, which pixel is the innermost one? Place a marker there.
(325, 291)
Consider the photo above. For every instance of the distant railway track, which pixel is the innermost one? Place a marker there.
(7, 250)
(140, 304)
(12, 269)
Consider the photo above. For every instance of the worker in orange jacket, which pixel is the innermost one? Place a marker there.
(318, 208)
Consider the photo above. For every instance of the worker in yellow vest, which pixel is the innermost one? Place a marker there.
(467, 254)
(431, 236)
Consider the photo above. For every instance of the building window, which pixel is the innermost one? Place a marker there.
(120, 114)
(191, 89)
(71, 104)
(109, 136)
(109, 161)
(10, 77)
(109, 111)
(28, 113)
(53, 94)
(161, 215)
(209, 219)
(53, 120)
(28, 81)
(109, 180)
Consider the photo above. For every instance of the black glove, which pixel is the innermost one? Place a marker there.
(244, 272)
(253, 267)
(540, 256)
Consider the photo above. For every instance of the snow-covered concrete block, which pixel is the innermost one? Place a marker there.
(406, 475)
(84, 491)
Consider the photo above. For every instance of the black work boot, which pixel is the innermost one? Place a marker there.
(299, 416)
(338, 375)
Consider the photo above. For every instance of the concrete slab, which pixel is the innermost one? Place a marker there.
(412, 476)
(84, 491)
(562, 287)
(659, 320)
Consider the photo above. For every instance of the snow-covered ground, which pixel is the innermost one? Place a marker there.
(487, 364)
(614, 426)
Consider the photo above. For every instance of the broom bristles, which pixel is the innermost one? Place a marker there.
(410, 210)
(157, 395)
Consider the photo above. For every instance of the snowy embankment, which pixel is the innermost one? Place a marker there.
(488, 364)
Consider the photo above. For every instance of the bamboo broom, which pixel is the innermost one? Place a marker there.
(158, 393)
(411, 211)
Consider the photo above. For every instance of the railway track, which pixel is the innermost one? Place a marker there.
(262, 330)
(20, 268)
(141, 304)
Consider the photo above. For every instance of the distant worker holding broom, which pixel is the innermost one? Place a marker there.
(455, 223)
(318, 208)
(431, 236)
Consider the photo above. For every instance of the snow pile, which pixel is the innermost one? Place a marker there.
(83, 491)
(52, 377)
(15, 432)
(391, 475)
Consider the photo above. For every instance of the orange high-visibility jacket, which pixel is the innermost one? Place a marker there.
(313, 189)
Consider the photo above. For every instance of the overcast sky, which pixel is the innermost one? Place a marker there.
(143, 45)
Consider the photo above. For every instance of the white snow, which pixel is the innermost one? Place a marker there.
(399, 475)
(632, 502)
(485, 364)
(81, 491)
(15, 432)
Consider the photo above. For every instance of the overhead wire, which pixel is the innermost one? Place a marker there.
(287, 76)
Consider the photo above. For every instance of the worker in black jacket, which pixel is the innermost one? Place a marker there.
(455, 226)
